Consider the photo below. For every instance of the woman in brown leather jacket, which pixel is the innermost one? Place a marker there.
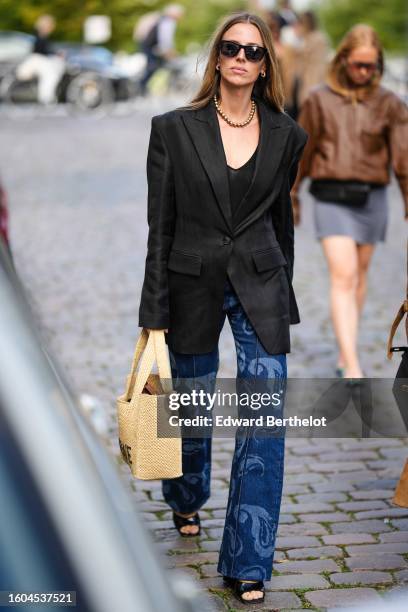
(357, 130)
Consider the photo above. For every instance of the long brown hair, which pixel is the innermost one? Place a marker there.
(359, 35)
(269, 88)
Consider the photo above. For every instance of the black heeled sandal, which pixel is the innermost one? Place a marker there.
(182, 521)
(239, 588)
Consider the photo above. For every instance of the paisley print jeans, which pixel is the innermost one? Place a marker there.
(255, 492)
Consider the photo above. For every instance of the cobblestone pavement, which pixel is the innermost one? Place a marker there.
(77, 194)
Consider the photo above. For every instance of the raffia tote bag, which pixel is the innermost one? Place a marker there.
(149, 457)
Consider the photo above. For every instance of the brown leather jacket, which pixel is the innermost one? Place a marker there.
(354, 139)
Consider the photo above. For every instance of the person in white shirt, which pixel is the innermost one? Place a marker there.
(43, 62)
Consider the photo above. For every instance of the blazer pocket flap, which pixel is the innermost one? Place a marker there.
(185, 263)
(268, 259)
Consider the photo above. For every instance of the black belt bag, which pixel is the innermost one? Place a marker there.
(353, 193)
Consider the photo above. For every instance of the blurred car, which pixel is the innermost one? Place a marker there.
(67, 522)
(97, 59)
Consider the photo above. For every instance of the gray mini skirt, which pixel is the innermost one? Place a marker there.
(365, 224)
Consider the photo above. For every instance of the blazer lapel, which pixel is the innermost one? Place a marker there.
(205, 133)
(272, 142)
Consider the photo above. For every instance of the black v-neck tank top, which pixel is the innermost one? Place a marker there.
(240, 180)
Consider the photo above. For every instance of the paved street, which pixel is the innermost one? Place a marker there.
(77, 192)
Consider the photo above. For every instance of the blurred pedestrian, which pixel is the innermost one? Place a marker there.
(220, 245)
(286, 14)
(143, 26)
(159, 42)
(43, 62)
(357, 130)
(313, 56)
(287, 54)
(304, 62)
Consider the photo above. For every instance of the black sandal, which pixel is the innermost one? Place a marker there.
(182, 521)
(240, 588)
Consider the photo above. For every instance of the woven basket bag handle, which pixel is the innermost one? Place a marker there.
(150, 347)
(140, 347)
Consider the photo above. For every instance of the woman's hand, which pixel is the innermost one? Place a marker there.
(149, 330)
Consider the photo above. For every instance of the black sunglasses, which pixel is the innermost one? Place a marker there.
(253, 53)
(369, 66)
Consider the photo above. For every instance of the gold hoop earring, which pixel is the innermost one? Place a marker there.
(217, 67)
(263, 74)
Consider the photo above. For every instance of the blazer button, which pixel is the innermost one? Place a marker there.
(226, 240)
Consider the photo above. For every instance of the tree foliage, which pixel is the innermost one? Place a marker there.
(199, 21)
(388, 17)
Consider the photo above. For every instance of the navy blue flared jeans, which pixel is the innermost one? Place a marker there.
(255, 492)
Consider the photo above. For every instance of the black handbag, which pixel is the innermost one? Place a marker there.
(352, 193)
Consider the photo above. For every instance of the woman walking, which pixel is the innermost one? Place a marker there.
(221, 244)
(357, 129)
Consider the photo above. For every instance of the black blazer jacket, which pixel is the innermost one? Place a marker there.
(195, 241)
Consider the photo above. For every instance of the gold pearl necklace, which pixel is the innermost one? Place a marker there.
(230, 121)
